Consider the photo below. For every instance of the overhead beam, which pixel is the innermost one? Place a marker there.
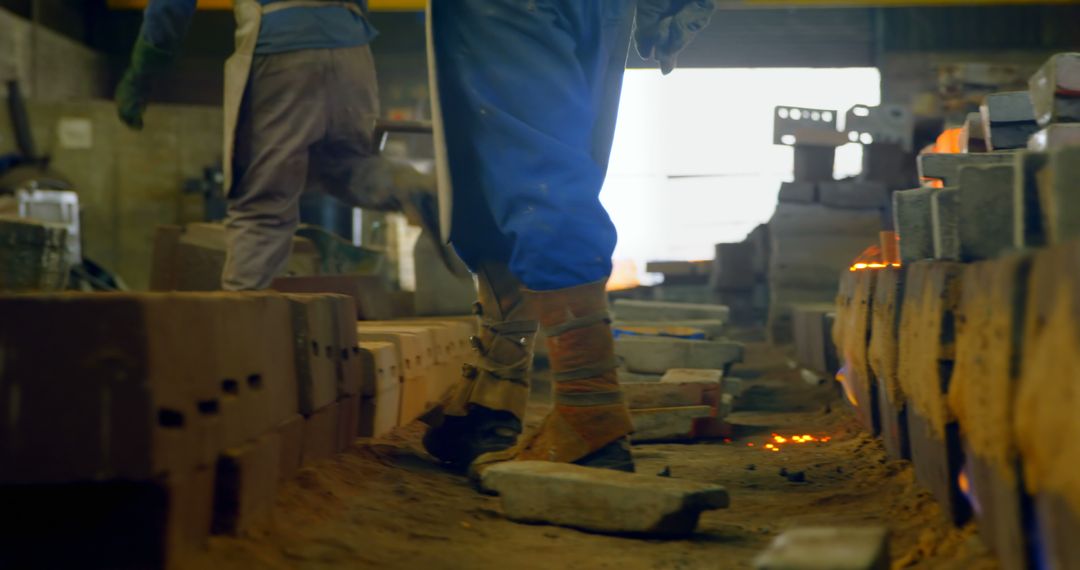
(374, 5)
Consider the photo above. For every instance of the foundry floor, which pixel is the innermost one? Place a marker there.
(385, 504)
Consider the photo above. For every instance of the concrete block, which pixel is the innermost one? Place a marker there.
(680, 375)
(708, 328)
(799, 192)
(1028, 224)
(854, 195)
(349, 370)
(792, 220)
(883, 354)
(447, 342)
(827, 548)
(600, 500)
(946, 167)
(1059, 522)
(314, 333)
(658, 355)
(260, 358)
(913, 222)
(1055, 137)
(814, 348)
(985, 214)
(945, 216)
(779, 327)
(348, 421)
(32, 255)
(1009, 120)
(890, 164)
(982, 394)
(1045, 403)
(758, 238)
(1054, 90)
(633, 310)
(139, 414)
(973, 137)
(291, 437)
(814, 163)
(413, 390)
(381, 405)
(380, 364)
(852, 338)
(1059, 195)
(370, 293)
(667, 424)
(928, 331)
(200, 257)
(431, 379)
(159, 523)
(732, 267)
(928, 338)
(667, 394)
(246, 484)
(321, 435)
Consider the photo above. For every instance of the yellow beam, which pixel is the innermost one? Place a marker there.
(375, 5)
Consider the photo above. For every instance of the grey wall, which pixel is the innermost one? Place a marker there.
(48, 65)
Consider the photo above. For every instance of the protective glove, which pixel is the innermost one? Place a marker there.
(147, 62)
(665, 27)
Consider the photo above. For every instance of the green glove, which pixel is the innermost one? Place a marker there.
(665, 27)
(147, 62)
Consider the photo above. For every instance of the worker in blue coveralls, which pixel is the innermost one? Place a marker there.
(300, 105)
(525, 105)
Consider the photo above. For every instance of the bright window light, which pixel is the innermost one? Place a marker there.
(693, 162)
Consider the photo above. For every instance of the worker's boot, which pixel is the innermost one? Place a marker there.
(590, 422)
(484, 411)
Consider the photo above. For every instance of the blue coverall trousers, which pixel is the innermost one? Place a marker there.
(529, 91)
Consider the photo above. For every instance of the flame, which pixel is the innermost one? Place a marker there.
(948, 142)
(964, 483)
(878, 256)
(841, 377)
(778, 441)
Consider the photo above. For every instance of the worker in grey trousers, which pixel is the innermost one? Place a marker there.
(300, 104)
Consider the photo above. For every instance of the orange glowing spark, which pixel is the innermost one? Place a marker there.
(964, 483)
(749, 445)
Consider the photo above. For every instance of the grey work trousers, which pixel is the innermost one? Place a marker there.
(306, 123)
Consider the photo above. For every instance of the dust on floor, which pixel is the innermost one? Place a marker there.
(386, 504)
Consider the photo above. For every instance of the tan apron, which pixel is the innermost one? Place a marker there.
(249, 15)
(442, 165)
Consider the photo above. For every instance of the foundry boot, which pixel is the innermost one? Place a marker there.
(484, 411)
(590, 422)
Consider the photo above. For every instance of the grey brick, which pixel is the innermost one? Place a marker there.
(946, 167)
(827, 548)
(985, 211)
(799, 192)
(944, 212)
(600, 500)
(1055, 137)
(911, 211)
(1028, 225)
(1059, 192)
(1054, 87)
(853, 195)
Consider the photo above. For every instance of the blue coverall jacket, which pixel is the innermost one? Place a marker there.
(529, 91)
(166, 22)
